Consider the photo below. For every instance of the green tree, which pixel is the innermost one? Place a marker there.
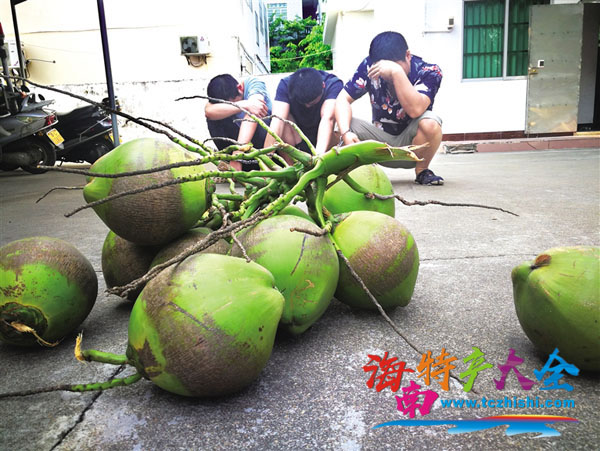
(298, 43)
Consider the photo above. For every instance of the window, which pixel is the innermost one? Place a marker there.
(496, 37)
(277, 9)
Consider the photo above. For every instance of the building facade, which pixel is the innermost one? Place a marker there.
(63, 45)
(286, 9)
(492, 80)
(158, 52)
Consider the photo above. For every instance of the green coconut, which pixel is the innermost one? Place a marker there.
(206, 326)
(305, 266)
(124, 261)
(384, 255)
(48, 288)
(341, 198)
(557, 299)
(152, 217)
(190, 238)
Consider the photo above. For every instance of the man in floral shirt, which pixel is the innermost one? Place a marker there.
(402, 88)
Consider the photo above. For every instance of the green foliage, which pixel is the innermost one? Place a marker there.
(298, 43)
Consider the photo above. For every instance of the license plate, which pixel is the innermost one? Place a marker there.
(111, 137)
(55, 136)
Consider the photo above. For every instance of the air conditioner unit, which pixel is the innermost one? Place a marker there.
(194, 45)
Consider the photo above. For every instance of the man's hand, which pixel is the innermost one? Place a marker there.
(236, 165)
(350, 138)
(385, 69)
(255, 105)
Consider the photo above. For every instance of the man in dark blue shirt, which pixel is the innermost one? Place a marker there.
(402, 88)
(307, 98)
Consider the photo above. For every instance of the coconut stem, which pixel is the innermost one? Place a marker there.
(432, 202)
(78, 387)
(60, 187)
(321, 183)
(244, 176)
(119, 382)
(280, 160)
(203, 150)
(90, 355)
(372, 298)
(212, 158)
(355, 185)
(23, 328)
(234, 197)
(541, 260)
(300, 133)
(248, 207)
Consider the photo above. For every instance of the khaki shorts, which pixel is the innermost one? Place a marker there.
(365, 130)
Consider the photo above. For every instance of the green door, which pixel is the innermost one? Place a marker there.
(555, 43)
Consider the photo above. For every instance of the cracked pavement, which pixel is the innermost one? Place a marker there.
(313, 393)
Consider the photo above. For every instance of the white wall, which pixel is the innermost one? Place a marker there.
(351, 46)
(143, 38)
(294, 9)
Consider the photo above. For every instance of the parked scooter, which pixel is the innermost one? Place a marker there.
(32, 135)
(27, 134)
(87, 131)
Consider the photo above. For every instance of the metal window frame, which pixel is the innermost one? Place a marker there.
(504, 49)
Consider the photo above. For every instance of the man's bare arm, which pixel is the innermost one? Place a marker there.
(343, 116)
(325, 126)
(255, 104)
(281, 110)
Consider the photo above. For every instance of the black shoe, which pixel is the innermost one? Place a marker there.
(427, 177)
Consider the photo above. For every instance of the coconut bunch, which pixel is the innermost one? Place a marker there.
(215, 274)
(206, 314)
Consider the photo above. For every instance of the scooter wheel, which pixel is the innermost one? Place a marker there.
(96, 150)
(47, 157)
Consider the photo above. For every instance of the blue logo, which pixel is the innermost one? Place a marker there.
(517, 424)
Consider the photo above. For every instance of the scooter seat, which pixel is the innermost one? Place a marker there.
(84, 111)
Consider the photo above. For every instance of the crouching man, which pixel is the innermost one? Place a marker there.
(222, 118)
(402, 88)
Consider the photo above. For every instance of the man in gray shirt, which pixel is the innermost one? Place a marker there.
(251, 94)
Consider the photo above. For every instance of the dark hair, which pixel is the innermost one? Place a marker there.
(223, 87)
(305, 85)
(388, 45)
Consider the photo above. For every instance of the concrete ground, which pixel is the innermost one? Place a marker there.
(313, 393)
